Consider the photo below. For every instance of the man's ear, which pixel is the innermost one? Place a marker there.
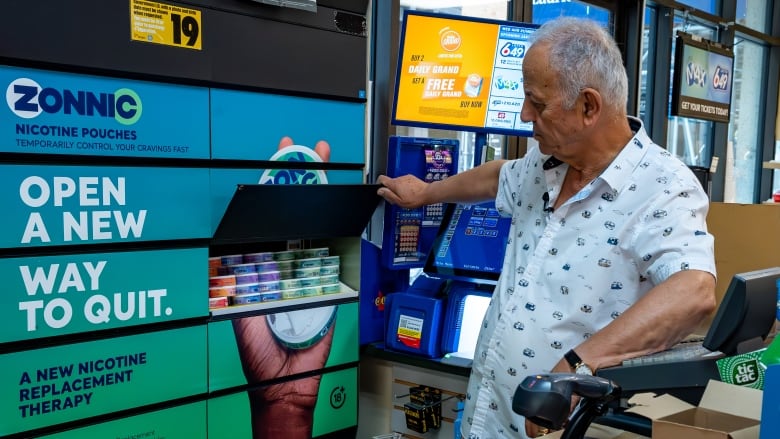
(591, 105)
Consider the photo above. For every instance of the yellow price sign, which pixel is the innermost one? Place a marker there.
(161, 23)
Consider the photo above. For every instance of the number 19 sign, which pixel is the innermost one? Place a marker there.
(161, 23)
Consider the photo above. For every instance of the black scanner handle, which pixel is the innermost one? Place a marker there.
(545, 399)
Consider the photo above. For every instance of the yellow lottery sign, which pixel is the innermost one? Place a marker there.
(161, 23)
(462, 73)
(446, 71)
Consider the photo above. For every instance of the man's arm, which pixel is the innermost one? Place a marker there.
(477, 184)
(661, 318)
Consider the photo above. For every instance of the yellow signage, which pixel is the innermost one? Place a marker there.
(462, 73)
(161, 23)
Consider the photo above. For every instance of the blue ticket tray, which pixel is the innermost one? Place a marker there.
(414, 324)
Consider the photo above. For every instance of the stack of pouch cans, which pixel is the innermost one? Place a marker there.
(242, 279)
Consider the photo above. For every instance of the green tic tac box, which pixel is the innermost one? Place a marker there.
(744, 370)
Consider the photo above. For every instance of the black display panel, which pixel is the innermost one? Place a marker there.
(746, 314)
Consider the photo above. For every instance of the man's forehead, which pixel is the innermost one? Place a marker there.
(536, 67)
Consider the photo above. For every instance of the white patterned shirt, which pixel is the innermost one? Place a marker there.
(570, 272)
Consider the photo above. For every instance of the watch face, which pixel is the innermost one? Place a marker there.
(303, 328)
(583, 369)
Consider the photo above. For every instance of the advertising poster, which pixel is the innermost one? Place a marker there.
(703, 76)
(65, 205)
(261, 348)
(334, 408)
(50, 112)
(225, 181)
(46, 296)
(49, 386)
(461, 73)
(183, 422)
(253, 126)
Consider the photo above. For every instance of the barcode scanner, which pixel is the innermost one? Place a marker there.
(545, 400)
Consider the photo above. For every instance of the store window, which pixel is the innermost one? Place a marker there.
(689, 139)
(744, 148)
(646, 59)
(709, 6)
(753, 14)
(741, 145)
(544, 11)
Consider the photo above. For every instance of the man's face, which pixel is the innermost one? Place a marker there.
(554, 127)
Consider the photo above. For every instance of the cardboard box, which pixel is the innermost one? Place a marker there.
(725, 411)
(596, 431)
(739, 249)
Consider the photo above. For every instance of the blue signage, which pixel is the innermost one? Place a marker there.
(546, 10)
(252, 126)
(64, 205)
(65, 113)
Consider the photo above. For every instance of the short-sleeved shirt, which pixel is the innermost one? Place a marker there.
(569, 272)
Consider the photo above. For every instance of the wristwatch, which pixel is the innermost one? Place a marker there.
(576, 363)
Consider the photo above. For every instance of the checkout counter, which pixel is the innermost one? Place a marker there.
(425, 324)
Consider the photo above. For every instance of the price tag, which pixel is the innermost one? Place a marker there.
(161, 23)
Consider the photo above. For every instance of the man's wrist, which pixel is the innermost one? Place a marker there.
(576, 363)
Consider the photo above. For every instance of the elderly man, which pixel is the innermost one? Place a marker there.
(608, 255)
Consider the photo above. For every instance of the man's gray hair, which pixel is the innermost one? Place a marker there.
(585, 55)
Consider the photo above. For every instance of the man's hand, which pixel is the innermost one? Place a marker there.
(406, 191)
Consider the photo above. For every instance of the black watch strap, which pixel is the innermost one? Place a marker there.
(573, 359)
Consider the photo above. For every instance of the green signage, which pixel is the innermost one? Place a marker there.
(45, 387)
(231, 417)
(183, 422)
(281, 344)
(54, 295)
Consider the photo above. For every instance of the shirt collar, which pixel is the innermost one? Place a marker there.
(619, 171)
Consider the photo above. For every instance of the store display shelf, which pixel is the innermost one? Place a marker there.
(345, 294)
